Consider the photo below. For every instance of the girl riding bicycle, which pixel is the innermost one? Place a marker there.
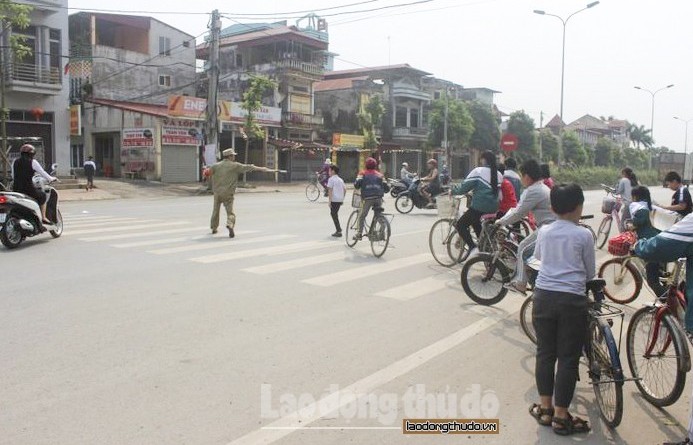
(639, 210)
(624, 188)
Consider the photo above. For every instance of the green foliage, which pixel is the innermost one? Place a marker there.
(522, 126)
(591, 177)
(604, 152)
(640, 136)
(549, 146)
(573, 150)
(370, 119)
(252, 101)
(15, 15)
(486, 134)
(460, 123)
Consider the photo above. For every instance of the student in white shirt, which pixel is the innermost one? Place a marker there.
(336, 191)
(566, 251)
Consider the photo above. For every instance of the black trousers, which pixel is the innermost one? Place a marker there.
(560, 320)
(471, 217)
(652, 270)
(334, 211)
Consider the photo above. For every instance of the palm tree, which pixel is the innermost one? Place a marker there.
(640, 136)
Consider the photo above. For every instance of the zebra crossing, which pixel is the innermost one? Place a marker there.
(277, 253)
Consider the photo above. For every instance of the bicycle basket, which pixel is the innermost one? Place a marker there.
(446, 207)
(608, 205)
(621, 244)
(356, 199)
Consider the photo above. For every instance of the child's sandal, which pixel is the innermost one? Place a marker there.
(569, 425)
(543, 416)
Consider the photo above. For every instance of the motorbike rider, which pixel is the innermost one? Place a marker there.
(431, 182)
(23, 170)
(405, 175)
(373, 187)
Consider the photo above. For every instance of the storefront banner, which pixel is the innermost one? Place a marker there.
(75, 120)
(348, 140)
(180, 132)
(138, 137)
(234, 112)
(188, 107)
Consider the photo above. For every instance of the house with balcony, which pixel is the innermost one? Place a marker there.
(404, 132)
(118, 62)
(36, 88)
(295, 57)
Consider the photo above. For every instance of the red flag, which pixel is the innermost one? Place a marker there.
(67, 68)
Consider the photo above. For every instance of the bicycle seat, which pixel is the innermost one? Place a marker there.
(596, 285)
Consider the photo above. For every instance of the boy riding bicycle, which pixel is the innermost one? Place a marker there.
(373, 187)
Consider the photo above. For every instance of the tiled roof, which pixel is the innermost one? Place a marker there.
(151, 109)
(555, 122)
(337, 84)
(371, 70)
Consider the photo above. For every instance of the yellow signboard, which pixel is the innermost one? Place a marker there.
(75, 120)
(348, 140)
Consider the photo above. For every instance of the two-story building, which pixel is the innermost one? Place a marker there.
(36, 88)
(119, 64)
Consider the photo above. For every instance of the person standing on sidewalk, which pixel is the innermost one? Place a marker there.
(336, 191)
(224, 176)
(89, 171)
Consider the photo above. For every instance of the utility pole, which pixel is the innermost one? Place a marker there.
(541, 135)
(3, 111)
(445, 129)
(213, 78)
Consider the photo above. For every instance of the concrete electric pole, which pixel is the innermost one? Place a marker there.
(213, 78)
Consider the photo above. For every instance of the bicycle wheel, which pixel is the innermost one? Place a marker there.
(525, 230)
(379, 235)
(446, 246)
(605, 372)
(352, 228)
(526, 319)
(603, 232)
(404, 204)
(623, 280)
(657, 355)
(483, 278)
(312, 192)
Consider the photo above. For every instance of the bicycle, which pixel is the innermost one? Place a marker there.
(313, 189)
(656, 346)
(611, 205)
(444, 236)
(377, 232)
(600, 352)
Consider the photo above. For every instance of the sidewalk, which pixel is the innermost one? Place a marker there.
(124, 189)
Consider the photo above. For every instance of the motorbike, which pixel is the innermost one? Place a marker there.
(20, 215)
(397, 186)
(412, 197)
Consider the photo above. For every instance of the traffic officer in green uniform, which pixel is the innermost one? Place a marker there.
(224, 177)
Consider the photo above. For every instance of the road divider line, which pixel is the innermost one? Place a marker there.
(367, 271)
(265, 251)
(415, 289)
(219, 243)
(121, 228)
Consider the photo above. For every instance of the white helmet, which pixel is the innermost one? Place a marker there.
(328, 161)
(404, 164)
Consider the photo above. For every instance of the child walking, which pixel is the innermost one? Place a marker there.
(566, 251)
(335, 191)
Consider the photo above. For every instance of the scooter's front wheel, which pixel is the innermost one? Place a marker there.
(404, 204)
(58, 225)
(11, 234)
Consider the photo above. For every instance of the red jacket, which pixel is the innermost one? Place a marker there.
(509, 200)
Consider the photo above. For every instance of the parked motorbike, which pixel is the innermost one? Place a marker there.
(412, 197)
(20, 215)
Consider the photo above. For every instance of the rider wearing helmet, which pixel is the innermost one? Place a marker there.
(324, 174)
(373, 187)
(23, 170)
(431, 182)
(405, 175)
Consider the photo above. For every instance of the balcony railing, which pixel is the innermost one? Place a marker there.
(299, 65)
(291, 117)
(410, 131)
(26, 72)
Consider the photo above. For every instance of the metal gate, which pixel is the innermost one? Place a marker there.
(179, 163)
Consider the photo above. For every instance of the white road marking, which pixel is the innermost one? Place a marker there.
(120, 229)
(219, 243)
(104, 222)
(296, 420)
(169, 240)
(367, 271)
(414, 289)
(138, 235)
(295, 264)
(266, 251)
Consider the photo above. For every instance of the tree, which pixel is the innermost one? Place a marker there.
(486, 134)
(604, 152)
(369, 119)
(12, 15)
(573, 149)
(549, 146)
(640, 136)
(252, 101)
(522, 126)
(460, 124)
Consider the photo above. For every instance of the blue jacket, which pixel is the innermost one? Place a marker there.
(371, 184)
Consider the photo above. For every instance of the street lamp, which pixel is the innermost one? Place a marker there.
(649, 163)
(685, 144)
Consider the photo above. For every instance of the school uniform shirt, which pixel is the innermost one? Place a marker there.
(338, 188)
(682, 195)
(478, 181)
(640, 214)
(566, 252)
(515, 180)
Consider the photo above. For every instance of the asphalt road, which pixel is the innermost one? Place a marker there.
(139, 327)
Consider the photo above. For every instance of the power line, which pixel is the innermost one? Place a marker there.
(394, 14)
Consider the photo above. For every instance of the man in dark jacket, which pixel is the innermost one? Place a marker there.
(373, 187)
(23, 170)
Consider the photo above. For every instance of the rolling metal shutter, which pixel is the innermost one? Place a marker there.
(179, 163)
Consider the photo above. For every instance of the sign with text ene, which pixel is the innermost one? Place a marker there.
(187, 106)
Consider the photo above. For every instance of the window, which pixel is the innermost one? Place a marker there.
(164, 81)
(239, 61)
(401, 117)
(77, 155)
(186, 43)
(414, 117)
(300, 104)
(164, 46)
(54, 48)
(436, 95)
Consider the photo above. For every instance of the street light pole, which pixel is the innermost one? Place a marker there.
(685, 144)
(564, 22)
(649, 163)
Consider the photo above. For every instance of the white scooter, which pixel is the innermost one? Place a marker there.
(20, 215)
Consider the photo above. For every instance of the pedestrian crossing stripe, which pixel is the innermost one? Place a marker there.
(219, 243)
(415, 289)
(296, 264)
(138, 234)
(124, 227)
(171, 240)
(103, 222)
(266, 251)
(367, 271)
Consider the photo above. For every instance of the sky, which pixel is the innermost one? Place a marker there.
(502, 45)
